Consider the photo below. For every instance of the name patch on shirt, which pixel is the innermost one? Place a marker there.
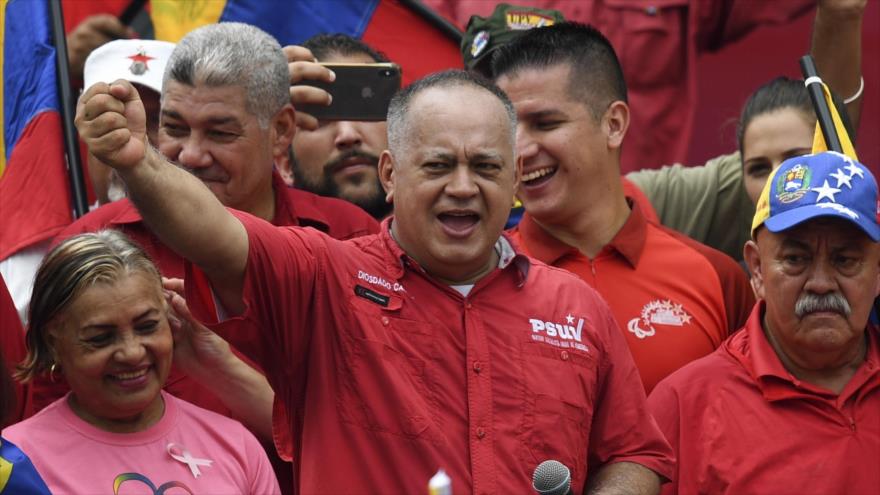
(371, 295)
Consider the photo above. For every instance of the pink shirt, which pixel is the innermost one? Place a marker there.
(74, 456)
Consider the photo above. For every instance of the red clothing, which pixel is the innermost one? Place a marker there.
(657, 42)
(632, 191)
(13, 351)
(675, 299)
(389, 375)
(339, 219)
(741, 423)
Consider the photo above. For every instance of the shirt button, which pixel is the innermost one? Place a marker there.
(651, 10)
(481, 433)
(477, 367)
(564, 355)
(385, 320)
(468, 305)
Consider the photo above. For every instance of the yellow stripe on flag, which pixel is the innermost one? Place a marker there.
(173, 19)
(819, 144)
(2, 47)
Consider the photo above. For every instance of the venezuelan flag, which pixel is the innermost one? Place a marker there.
(34, 198)
(387, 25)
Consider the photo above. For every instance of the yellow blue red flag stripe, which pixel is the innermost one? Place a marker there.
(34, 199)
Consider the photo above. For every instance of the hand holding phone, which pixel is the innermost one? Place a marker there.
(359, 92)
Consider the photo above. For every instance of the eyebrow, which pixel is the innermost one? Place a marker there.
(485, 155)
(211, 121)
(109, 326)
(538, 114)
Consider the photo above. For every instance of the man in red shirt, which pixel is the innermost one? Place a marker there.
(433, 344)
(228, 129)
(791, 403)
(675, 299)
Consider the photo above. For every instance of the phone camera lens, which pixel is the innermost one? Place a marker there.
(387, 73)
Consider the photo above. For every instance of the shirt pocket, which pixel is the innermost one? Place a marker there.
(559, 389)
(386, 370)
(650, 37)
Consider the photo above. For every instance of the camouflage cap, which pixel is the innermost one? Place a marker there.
(486, 34)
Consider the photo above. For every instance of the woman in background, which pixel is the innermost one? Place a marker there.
(99, 317)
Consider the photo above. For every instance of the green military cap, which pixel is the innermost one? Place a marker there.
(486, 34)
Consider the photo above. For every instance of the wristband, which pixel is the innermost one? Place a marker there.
(858, 93)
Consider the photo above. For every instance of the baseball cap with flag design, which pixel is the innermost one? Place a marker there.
(826, 184)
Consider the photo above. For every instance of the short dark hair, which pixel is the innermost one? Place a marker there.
(596, 75)
(323, 46)
(400, 103)
(779, 94)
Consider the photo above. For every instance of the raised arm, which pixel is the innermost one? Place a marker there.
(837, 49)
(185, 215)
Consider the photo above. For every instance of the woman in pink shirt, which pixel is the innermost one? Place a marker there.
(99, 319)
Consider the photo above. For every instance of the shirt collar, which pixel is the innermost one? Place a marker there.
(629, 240)
(397, 260)
(292, 207)
(755, 352)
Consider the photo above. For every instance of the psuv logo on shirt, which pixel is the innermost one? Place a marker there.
(658, 312)
(564, 335)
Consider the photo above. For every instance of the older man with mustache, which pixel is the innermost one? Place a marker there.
(791, 403)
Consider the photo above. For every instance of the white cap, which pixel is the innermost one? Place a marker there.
(138, 61)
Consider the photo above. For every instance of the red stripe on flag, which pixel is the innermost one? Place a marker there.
(410, 41)
(34, 197)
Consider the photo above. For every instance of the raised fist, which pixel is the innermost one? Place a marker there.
(112, 122)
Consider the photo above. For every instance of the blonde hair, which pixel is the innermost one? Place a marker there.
(71, 267)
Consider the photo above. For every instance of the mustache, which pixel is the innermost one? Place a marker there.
(212, 173)
(811, 303)
(337, 163)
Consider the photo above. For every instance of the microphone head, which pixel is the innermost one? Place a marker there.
(551, 478)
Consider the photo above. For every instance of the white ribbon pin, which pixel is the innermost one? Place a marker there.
(179, 453)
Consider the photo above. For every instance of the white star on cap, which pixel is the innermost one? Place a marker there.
(854, 170)
(842, 178)
(826, 191)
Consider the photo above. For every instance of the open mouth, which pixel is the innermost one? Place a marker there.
(132, 378)
(458, 224)
(539, 177)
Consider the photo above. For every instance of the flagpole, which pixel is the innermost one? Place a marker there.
(435, 19)
(823, 114)
(68, 104)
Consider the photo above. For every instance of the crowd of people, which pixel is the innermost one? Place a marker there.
(268, 302)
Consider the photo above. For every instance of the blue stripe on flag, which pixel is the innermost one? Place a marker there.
(29, 86)
(292, 22)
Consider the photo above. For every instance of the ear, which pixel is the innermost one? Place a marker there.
(877, 282)
(284, 164)
(616, 122)
(386, 175)
(283, 127)
(752, 257)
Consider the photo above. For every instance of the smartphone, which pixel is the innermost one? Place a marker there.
(360, 92)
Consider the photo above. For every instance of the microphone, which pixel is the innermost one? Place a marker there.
(552, 478)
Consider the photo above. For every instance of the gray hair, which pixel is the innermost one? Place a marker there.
(399, 106)
(71, 267)
(234, 54)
